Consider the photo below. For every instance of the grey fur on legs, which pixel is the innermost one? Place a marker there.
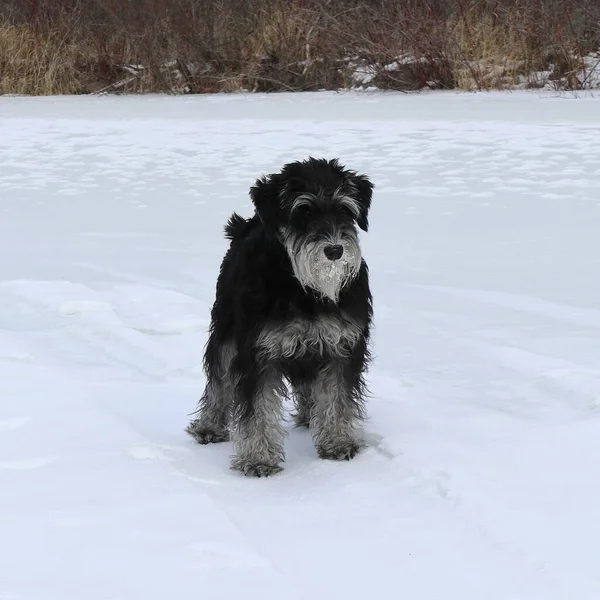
(304, 403)
(215, 406)
(337, 414)
(260, 434)
(206, 431)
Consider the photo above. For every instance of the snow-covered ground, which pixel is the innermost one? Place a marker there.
(482, 479)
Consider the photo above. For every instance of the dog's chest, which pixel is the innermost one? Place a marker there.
(325, 335)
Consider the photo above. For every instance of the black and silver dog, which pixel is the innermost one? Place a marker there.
(293, 305)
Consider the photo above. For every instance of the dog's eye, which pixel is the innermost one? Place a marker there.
(303, 210)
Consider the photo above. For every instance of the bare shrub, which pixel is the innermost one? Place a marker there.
(199, 46)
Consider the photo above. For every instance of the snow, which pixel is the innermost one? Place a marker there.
(482, 476)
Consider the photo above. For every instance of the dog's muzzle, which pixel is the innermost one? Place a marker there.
(324, 265)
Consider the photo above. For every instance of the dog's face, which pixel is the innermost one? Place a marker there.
(313, 209)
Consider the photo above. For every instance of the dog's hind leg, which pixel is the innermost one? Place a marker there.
(212, 424)
(303, 399)
(304, 402)
(338, 412)
(215, 406)
(260, 434)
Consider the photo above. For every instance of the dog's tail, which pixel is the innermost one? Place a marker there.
(236, 226)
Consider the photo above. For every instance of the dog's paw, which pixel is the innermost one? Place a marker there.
(255, 469)
(345, 451)
(205, 435)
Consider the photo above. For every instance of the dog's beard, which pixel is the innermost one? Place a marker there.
(314, 270)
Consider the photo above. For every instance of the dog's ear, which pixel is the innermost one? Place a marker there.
(266, 196)
(364, 193)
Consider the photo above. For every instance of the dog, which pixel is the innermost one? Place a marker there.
(293, 310)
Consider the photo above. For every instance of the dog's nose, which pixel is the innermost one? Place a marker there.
(333, 252)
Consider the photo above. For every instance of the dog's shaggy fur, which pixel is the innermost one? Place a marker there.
(292, 305)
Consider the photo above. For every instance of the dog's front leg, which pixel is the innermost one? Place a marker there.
(337, 413)
(259, 424)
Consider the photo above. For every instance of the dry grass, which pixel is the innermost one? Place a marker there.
(35, 64)
(488, 56)
(199, 46)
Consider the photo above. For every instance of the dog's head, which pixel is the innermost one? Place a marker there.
(313, 208)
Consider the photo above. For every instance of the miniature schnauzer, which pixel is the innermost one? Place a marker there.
(293, 310)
